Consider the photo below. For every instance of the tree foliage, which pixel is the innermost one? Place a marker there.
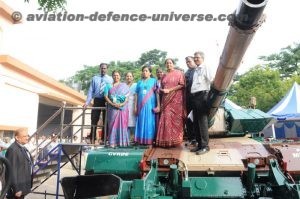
(287, 61)
(152, 57)
(51, 5)
(81, 80)
(263, 83)
(268, 82)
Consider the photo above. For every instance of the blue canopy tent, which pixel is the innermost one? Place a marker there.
(287, 113)
(289, 106)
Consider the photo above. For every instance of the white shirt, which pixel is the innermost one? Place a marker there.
(202, 79)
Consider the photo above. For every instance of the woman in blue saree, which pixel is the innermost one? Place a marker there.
(117, 111)
(146, 105)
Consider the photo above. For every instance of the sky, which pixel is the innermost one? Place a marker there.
(61, 48)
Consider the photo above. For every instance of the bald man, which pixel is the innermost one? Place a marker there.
(21, 163)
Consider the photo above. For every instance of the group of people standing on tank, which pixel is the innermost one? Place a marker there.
(154, 111)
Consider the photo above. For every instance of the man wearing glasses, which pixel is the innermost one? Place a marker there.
(21, 165)
(199, 92)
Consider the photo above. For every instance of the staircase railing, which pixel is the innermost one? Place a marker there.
(40, 129)
(39, 146)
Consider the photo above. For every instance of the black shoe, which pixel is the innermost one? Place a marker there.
(193, 143)
(195, 149)
(188, 145)
(202, 151)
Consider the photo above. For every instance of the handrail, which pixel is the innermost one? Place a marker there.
(60, 131)
(65, 127)
(62, 119)
(45, 163)
(50, 119)
(46, 123)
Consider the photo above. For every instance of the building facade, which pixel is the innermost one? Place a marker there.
(28, 97)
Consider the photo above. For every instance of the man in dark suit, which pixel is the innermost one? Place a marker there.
(189, 74)
(21, 163)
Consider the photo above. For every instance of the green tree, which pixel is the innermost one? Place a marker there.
(261, 82)
(287, 61)
(153, 57)
(125, 67)
(81, 79)
(288, 83)
(51, 5)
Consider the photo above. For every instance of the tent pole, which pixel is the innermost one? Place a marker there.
(273, 131)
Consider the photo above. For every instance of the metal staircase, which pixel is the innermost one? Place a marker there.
(49, 160)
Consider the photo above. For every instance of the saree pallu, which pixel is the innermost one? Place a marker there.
(132, 117)
(117, 118)
(171, 122)
(145, 130)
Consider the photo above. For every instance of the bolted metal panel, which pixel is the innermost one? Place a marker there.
(217, 187)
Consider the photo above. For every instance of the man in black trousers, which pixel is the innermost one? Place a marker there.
(189, 60)
(199, 93)
(21, 163)
(96, 92)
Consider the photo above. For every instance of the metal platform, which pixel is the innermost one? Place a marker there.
(226, 154)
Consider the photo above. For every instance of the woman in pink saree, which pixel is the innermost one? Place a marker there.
(171, 122)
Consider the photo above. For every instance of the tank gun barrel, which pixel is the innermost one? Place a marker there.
(244, 23)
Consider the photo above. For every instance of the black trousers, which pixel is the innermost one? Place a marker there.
(95, 115)
(200, 117)
(188, 123)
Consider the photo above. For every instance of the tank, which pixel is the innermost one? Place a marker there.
(233, 120)
(241, 166)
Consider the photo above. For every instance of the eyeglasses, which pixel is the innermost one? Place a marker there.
(197, 57)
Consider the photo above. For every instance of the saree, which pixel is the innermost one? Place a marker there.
(145, 130)
(171, 121)
(131, 120)
(117, 118)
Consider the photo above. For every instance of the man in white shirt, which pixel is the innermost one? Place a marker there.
(199, 93)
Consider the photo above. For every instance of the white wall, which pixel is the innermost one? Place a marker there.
(87, 119)
(18, 107)
(4, 26)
